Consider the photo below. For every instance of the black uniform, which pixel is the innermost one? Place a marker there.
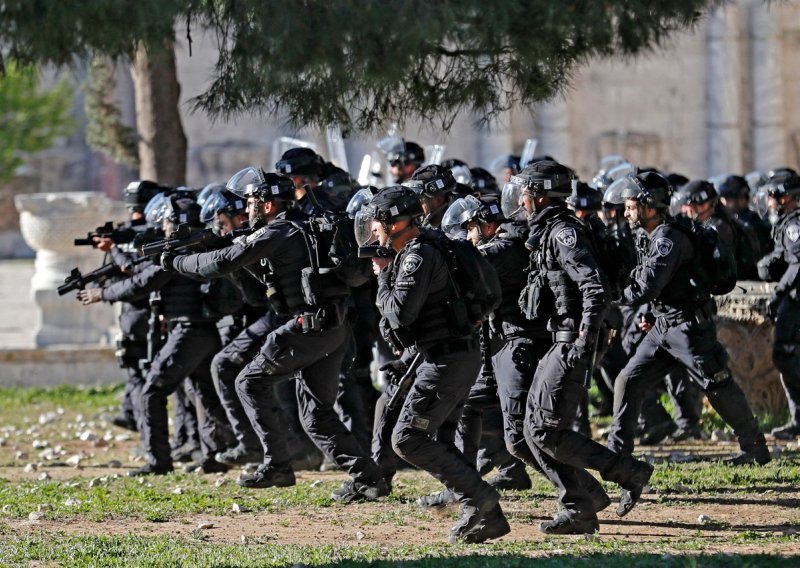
(133, 345)
(191, 343)
(786, 346)
(412, 295)
(276, 254)
(684, 334)
(567, 285)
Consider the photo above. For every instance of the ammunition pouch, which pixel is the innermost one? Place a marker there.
(321, 286)
(536, 299)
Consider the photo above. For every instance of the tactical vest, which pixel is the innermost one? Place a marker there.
(433, 323)
(511, 253)
(566, 294)
(283, 282)
(182, 300)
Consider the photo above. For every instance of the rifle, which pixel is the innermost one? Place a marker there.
(154, 337)
(404, 383)
(183, 237)
(78, 281)
(123, 233)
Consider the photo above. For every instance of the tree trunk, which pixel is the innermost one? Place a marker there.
(162, 141)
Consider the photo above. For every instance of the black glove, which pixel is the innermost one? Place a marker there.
(90, 296)
(394, 371)
(580, 351)
(167, 261)
(385, 276)
(771, 308)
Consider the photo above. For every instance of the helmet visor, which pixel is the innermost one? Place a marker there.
(462, 174)
(456, 217)
(359, 199)
(511, 201)
(761, 202)
(624, 188)
(241, 180)
(155, 210)
(677, 202)
(362, 226)
(620, 171)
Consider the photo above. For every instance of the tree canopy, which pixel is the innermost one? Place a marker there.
(30, 118)
(360, 64)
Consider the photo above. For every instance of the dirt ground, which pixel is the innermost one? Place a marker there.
(763, 511)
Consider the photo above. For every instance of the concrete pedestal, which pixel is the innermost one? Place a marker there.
(49, 223)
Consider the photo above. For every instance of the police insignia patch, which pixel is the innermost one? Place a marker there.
(252, 237)
(567, 237)
(663, 246)
(411, 263)
(793, 232)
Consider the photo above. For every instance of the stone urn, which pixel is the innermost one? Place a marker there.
(49, 223)
(746, 333)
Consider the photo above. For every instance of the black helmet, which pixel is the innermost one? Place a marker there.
(464, 210)
(137, 194)
(585, 197)
(483, 182)
(407, 153)
(734, 186)
(788, 184)
(300, 162)
(432, 181)
(390, 204)
(541, 179)
(650, 189)
(676, 180)
(182, 210)
(700, 191)
(223, 201)
(255, 182)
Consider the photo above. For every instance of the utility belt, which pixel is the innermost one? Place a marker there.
(699, 316)
(322, 319)
(452, 346)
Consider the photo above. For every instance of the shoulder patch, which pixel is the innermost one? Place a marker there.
(411, 263)
(793, 232)
(567, 237)
(663, 246)
(257, 234)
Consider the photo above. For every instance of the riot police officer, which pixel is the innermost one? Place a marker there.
(405, 160)
(415, 289)
(434, 186)
(567, 287)
(734, 194)
(684, 333)
(191, 343)
(310, 345)
(783, 307)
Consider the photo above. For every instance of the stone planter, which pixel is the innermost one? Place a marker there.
(747, 334)
(49, 223)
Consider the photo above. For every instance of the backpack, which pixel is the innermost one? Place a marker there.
(333, 256)
(713, 264)
(475, 283)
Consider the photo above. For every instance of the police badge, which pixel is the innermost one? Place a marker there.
(663, 246)
(567, 237)
(793, 232)
(411, 263)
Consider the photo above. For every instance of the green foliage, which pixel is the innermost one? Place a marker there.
(23, 398)
(105, 131)
(30, 119)
(360, 64)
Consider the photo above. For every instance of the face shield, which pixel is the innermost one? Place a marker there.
(360, 198)
(208, 191)
(213, 205)
(362, 226)
(460, 212)
(155, 210)
(462, 174)
(627, 187)
(677, 202)
(511, 201)
(240, 181)
(761, 202)
(620, 171)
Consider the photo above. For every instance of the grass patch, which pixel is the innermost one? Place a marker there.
(196, 550)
